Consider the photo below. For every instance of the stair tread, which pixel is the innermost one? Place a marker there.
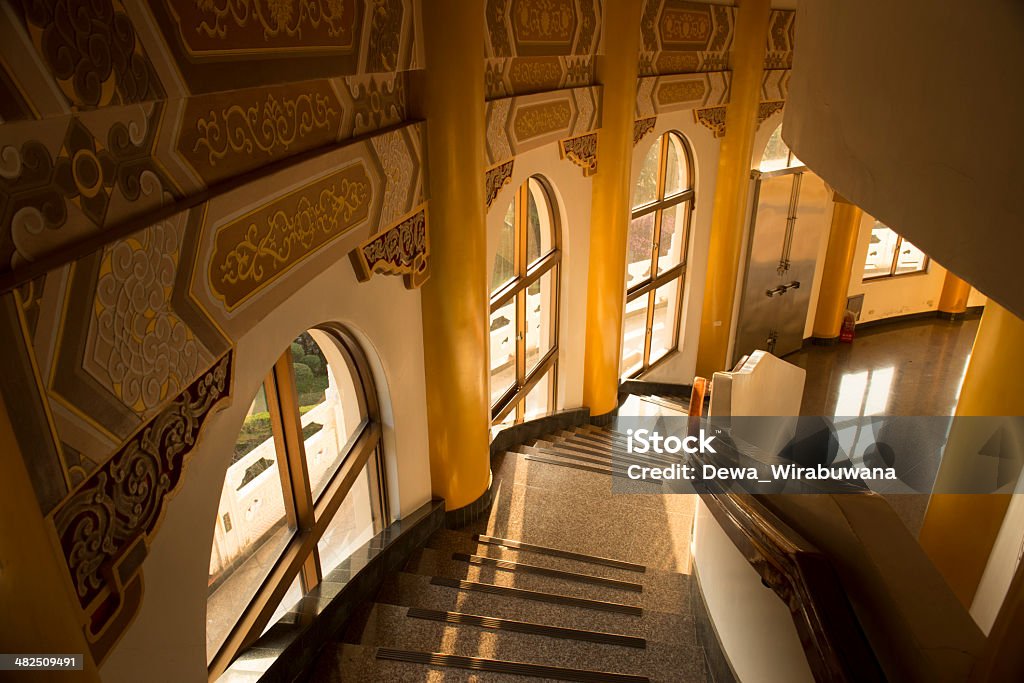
(414, 590)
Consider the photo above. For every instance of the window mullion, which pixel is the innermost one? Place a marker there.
(896, 255)
(649, 325)
(295, 457)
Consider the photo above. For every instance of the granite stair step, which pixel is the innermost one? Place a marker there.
(414, 590)
(461, 634)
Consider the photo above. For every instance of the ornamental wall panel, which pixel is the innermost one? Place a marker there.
(518, 124)
(537, 45)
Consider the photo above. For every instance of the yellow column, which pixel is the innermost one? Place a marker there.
(40, 609)
(609, 217)
(953, 299)
(960, 529)
(455, 309)
(729, 210)
(835, 275)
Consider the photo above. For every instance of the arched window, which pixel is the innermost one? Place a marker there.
(656, 254)
(304, 489)
(524, 308)
(777, 154)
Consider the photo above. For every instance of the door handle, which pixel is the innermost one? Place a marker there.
(782, 289)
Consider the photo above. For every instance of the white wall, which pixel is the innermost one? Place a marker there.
(572, 194)
(891, 296)
(705, 148)
(386, 320)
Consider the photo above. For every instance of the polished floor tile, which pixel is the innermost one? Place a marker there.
(905, 368)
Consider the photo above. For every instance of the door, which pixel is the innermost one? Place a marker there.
(787, 222)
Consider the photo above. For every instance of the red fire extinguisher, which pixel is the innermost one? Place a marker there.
(846, 331)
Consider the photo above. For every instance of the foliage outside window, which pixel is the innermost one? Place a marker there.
(890, 255)
(656, 254)
(304, 489)
(524, 308)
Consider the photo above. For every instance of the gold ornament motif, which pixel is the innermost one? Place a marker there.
(497, 178)
(712, 118)
(400, 250)
(542, 119)
(642, 127)
(256, 249)
(140, 349)
(215, 25)
(582, 151)
(681, 91)
(270, 126)
(766, 109)
(105, 526)
(543, 21)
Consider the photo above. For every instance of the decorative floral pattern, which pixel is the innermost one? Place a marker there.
(270, 126)
(92, 51)
(401, 250)
(255, 250)
(497, 178)
(582, 151)
(146, 353)
(122, 501)
(642, 127)
(712, 118)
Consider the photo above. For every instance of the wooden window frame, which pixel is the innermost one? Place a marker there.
(525, 274)
(923, 270)
(654, 281)
(308, 518)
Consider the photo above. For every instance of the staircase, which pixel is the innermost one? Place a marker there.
(564, 581)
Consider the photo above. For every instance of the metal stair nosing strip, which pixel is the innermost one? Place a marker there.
(498, 666)
(538, 596)
(612, 453)
(508, 565)
(565, 460)
(557, 552)
(617, 461)
(576, 466)
(659, 401)
(526, 627)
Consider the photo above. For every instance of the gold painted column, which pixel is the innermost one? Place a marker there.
(960, 529)
(729, 211)
(953, 299)
(455, 309)
(609, 217)
(41, 613)
(835, 275)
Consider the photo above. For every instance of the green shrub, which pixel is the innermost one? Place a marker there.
(314, 363)
(297, 351)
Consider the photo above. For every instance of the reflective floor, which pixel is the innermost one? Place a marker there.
(905, 368)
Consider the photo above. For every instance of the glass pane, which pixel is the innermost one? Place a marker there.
(539, 228)
(503, 349)
(881, 249)
(540, 317)
(639, 245)
(910, 260)
(666, 304)
(633, 331)
(255, 429)
(672, 244)
(676, 177)
(288, 602)
(538, 401)
(252, 528)
(352, 525)
(776, 153)
(331, 405)
(646, 190)
(504, 259)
